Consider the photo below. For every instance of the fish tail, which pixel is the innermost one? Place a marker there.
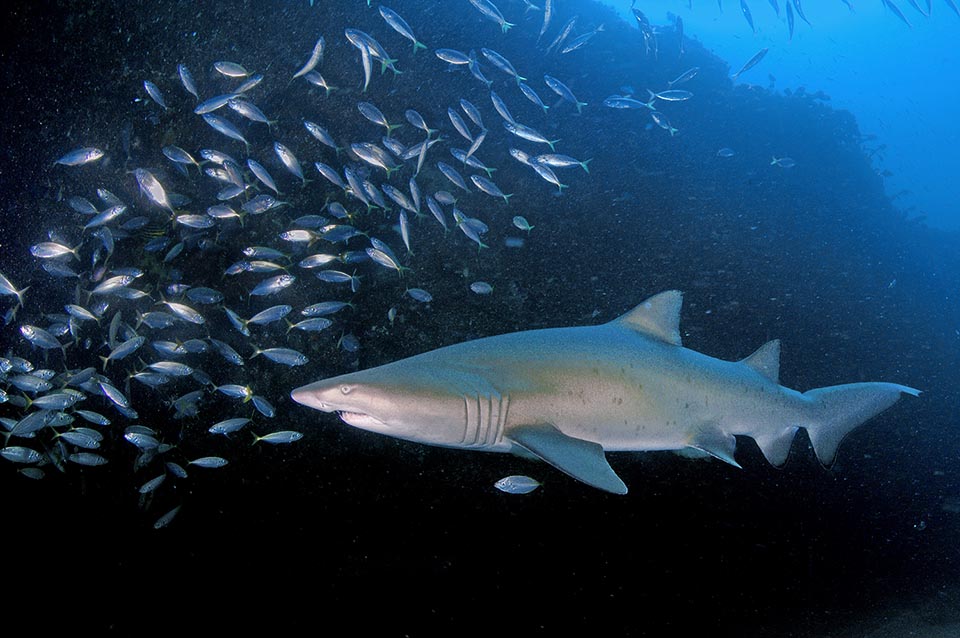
(551, 143)
(579, 105)
(418, 45)
(584, 163)
(837, 410)
(506, 26)
(833, 412)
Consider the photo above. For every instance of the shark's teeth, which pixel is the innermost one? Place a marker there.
(359, 419)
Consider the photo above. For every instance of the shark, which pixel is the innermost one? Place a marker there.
(568, 395)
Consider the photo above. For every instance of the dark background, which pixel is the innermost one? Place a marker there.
(349, 527)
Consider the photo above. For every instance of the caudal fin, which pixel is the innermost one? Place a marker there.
(839, 409)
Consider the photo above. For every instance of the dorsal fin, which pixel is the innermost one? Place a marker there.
(766, 360)
(657, 317)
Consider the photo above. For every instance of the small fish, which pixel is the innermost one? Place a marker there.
(563, 91)
(225, 127)
(165, 520)
(746, 14)
(171, 368)
(373, 114)
(322, 136)
(273, 285)
(799, 8)
(557, 160)
(228, 426)
(152, 188)
(671, 95)
(209, 461)
(278, 438)
(230, 69)
(19, 454)
(289, 160)
(416, 120)
(152, 484)
(325, 308)
(789, 18)
(87, 458)
(185, 312)
(686, 76)
(452, 56)
(315, 56)
(727, 152)
(517, 484)
(528, 133)
(453, 175)
(284, 356)
(186, 78)
(263, 406)
(316, 324)
(894, 8)
(530, 94)
(490, 188)
(490, 11)
(52, 250)
(481, 288)
(419, 294)
(521, 222)
(752, 62)
(502, 63)
(80, 156)
(400, 25)
(581, 41)
(154, 92)
(7, 288)
(783, 162)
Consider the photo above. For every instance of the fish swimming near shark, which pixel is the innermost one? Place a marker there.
(568, 395)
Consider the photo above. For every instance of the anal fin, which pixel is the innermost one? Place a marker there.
(580, 459)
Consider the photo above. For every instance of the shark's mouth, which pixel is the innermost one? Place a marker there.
(360, 419)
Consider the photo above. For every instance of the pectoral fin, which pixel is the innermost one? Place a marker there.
(580, 459)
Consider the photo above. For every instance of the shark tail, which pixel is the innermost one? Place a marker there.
(839, 409)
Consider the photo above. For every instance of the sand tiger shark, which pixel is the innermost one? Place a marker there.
(568, 395)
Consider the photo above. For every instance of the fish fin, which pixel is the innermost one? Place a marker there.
(523, 453)
(580, 459)
(766, 360)
(776, 445)
(657, 317)
(715, 442)
(839, 409)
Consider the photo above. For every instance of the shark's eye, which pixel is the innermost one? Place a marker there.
(345, 389)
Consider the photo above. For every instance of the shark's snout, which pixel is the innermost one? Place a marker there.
(311, 396)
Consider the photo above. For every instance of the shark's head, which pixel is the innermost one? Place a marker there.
(406, 402)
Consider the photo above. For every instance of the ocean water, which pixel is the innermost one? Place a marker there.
(844, 248)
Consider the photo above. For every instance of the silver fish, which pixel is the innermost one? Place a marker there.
(80, 156)
(285, 356)
(400, 25)
(209, 461)
(315, 56)
(278, 438)
(517, 484)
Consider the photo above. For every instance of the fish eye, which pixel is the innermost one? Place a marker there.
(345, 389)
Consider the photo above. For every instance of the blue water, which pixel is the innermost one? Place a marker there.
(898, 81)
(347, 528)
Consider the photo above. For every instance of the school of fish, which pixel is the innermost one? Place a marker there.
(143, 316)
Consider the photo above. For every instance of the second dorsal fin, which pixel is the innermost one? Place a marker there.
(766, 360)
